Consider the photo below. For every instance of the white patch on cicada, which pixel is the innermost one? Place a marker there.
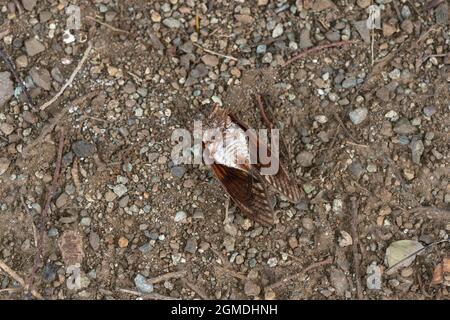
(228, 147)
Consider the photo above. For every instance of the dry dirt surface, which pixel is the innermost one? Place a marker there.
(366, 121)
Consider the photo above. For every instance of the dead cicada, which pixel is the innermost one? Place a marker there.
(247, 166)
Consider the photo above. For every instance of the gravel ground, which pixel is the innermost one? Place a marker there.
(366, 123)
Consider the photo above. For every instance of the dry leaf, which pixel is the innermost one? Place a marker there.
(71, 246)
(401, 254)
(442, 272)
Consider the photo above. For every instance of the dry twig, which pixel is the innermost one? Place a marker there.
(232, 273)
(107, 25)
(356, 259)
(54, 121)
(196, 289)
(18, 278)
(298, 274)
(72, 77)
(44, 213)
(149, 296)
(216, 53)
(317, 48)
(167, 276)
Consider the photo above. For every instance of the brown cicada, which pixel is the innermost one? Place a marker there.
(237, 163)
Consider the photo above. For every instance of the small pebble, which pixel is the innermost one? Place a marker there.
(358, 115)
(123, 242)
(141, 284)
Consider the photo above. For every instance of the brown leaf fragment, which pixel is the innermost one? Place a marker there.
(441, 273)
(71, 246)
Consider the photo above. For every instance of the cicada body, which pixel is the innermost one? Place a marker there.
(233, 152)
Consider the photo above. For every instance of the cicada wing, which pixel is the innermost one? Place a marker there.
(248, 191)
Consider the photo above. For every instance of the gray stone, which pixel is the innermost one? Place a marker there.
(364, 32)
(277, 31)
(320, 5)
(356, 169)
(339, 281)
(141, 284)
(210, 60)
(6, 128)
(333, 35)
(267, 58)
(41, 77)
(172, 23)
(441, 14)
(272, 262)
(305, 40)
(120, 190)
(29, 117)
(180, 216)
(358, 115)
(57, 75)
(404, 127)
(178, 171)
(417, 149)
(308, 223)
(53, 232)
(260, 49)
(6, 87)
(251, 289)
(4, 165)
(94, 240)
(406, 12)
(429, 111)
(349, 83)
(191, 245)
(373, 277)
(49, 273)
(29, 4)
(187, 47)
(305, 159)
(145, 248)
(199, 71)
(86, 221)
(33, 47)
(83, 149)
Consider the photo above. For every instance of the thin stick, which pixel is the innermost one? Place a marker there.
(44, 213)
(415, 10)
(431, 56)
(167, 276)
(10, 290)
(149, 296)
(227, 204)
(224, 260)
(341, 123)
(12, 68)
(397, 11)
(260, 104)
(318, 48)
(298, 274)
(232, 273)
(356, 259)
(196, 289)
(54, 121)
(372, 42)
(107, 25)
(19, 279)
(72, 77)
(215, 53)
